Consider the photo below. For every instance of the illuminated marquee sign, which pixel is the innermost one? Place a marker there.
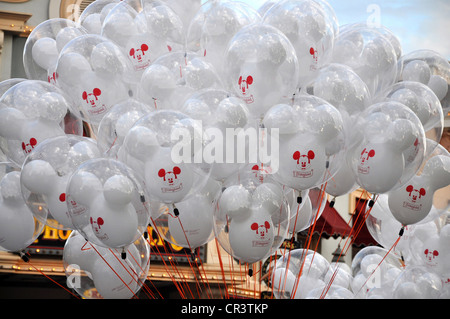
(52, 240)
(164, 250)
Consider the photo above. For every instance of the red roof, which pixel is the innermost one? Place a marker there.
(331, 224)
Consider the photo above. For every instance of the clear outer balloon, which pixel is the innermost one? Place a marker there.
(384, 228)
(96, 74)
(165, 149)
(144, 30)
(417, 283)
(298, 272)
(334, 292)
(165, 20)
(186, 10)
(219, 111)
(413, 202)
(310, 27)
(46, 172)
(19, 226)
(95, 13)
(115, 125)
(31, 111)
(311, 141)
(391, 149)
(343, 182)
(250, 218)
(339, 275)
(265, 6)
(372, 267)
(43, 45)
(107, 203)
(213, 27)
(305, 214)
(3, 158)
(193, 227)
(427, 62)
(5, 85)
(173, 77)
(261, 66)
(301, 214)
(435, 253)
(383, 290)
(95, 272)
(369, 53)
(423, 102)
(395, 42)
(418, 235)
(340, 86)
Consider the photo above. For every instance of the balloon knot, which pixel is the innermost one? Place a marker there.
(24, 257)
(332, 203)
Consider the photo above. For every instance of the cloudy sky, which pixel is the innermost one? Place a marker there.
(419, 24)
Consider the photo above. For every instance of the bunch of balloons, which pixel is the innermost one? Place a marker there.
(221, 121)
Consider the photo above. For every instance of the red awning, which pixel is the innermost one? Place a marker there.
(331, 224)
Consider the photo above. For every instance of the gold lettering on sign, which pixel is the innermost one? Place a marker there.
(155, 239)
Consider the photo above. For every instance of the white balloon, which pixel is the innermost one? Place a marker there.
(45, 52)
(413, 202)
(193, 227)
(416, 70)
(25, 133)
(17, 223)
(39, 177)
(251, 239)
(113, 219)
(304, 160)
(114, 278)
(269, 196)
(80, 253)
(65, 35)
(235, 202)
(439, 86)
(392, 134)
(166, 180)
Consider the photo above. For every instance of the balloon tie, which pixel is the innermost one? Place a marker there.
(24, 257)
(332, 202)
(175, 211)
(299, 197)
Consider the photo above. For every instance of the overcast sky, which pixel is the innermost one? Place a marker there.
(419, 24)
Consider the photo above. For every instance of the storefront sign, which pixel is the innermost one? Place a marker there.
(52, 240)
